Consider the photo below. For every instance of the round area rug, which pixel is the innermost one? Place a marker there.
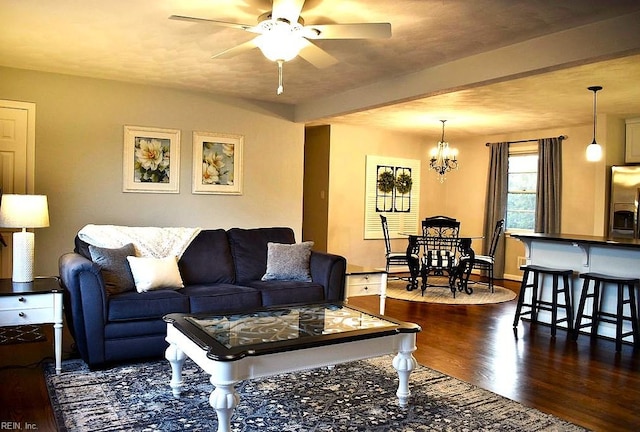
(397, 289)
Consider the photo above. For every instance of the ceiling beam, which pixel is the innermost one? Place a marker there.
(612, 38)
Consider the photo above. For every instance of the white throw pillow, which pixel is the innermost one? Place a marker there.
(155, 273)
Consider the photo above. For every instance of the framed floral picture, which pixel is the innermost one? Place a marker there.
(151, 161)
(217, 163)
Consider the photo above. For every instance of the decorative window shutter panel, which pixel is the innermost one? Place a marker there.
(397, 221)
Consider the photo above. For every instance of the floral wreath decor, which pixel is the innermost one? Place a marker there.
(386, 181)
(403, 183)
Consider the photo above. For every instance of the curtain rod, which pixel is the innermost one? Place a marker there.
(561, 137)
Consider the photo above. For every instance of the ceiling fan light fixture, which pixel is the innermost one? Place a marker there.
(594, 150)
(282, 36)
(280, 40)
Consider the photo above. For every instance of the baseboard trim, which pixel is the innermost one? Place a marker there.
(512, 277)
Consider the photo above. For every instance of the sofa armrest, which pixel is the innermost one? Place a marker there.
(329, 270)
(85, 304)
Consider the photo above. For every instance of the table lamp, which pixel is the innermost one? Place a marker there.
(23, 211)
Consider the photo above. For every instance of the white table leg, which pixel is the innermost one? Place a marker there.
(404, 363)
(57, 330)
(383, 292)
(176, 357)
(224, 399)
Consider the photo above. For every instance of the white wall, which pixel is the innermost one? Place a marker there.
(463, 194)
(349, 147)
(79, 166)
(79, 151)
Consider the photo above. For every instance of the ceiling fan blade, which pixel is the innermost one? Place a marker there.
(238, 49)
(316, 55)
(287, 9)
(349, 31)
(210, 21)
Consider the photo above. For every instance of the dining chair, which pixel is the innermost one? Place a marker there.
(440, 234)
(486, 262)
(394, 258)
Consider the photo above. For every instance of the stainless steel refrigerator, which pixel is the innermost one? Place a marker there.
(625, 193)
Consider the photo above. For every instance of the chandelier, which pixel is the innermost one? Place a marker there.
(443, 158)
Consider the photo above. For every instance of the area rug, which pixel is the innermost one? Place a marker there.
(397, 289)
(21, 334)
(357, 396)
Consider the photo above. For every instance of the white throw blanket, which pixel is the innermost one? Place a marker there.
(153, 242)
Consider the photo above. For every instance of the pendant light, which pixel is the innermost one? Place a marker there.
(594, 150)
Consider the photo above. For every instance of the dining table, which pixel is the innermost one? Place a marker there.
(458, 276)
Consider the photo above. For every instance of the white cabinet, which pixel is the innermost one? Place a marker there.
(36, 302)
(361, 281)
(632, 152)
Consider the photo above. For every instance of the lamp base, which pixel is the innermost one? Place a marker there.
(23, 252)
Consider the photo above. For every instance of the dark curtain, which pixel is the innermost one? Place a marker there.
(496, 202)
(549, 195)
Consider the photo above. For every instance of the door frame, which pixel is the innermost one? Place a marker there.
(30, 107)
(6, 255)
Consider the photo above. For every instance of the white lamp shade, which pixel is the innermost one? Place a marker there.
(24, 211)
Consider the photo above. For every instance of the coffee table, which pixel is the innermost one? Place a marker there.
(240, 346)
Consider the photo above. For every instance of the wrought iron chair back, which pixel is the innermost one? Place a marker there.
(497, 232)
(391, 257)
(441, 237)
(441, 233)
(385, 232)
(485, 263)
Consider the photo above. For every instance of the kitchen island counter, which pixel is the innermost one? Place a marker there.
(582, 254)
(572, 238)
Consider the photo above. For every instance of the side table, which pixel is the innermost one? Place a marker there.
(37, 302)
(361, 281)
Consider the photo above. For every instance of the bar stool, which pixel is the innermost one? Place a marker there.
(550, 306)
(597, 315)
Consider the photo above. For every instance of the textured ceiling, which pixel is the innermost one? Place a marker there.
(135, 41)
(549, 100)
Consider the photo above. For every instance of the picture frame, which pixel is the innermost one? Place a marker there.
(217, 163)
(151, 160)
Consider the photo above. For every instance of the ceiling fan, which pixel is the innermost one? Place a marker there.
(282, 35)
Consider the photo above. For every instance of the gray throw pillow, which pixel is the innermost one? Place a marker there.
(114, 267)
(288, 261)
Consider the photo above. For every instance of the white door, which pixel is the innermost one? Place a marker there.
(17, 161)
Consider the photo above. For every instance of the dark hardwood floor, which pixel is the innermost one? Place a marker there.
(584, 382)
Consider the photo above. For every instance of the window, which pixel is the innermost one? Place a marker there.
(521, 195)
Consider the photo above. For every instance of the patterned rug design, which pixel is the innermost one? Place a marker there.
(21, 334)
(357, 396)
(397, 289)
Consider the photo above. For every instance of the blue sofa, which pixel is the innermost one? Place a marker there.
(221, 271)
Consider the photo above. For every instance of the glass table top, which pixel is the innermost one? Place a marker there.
(232, 336)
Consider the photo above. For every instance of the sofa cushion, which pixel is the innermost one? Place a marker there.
(114, 267)
(288, 261)
(249, 249)
(81, 247)
(128, 329)
(288, 292)
(153, 304)
(208, 259)
(222, 298)
(155, 273)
